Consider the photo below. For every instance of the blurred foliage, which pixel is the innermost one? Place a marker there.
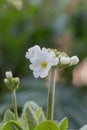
(60, 24)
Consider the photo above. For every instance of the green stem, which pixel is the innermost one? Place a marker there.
(51, 95)
(15, 104)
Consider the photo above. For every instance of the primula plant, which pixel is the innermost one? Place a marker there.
(42, 62)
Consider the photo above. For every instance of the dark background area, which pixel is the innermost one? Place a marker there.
(60, 24)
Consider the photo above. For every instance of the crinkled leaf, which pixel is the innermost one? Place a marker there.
(31, 118)
(38, 112)
(9, 115)
(12, 125)
(47, 125)
(35, 108)
(24, 123)
(63, 124)
(40, 115)
(33, 113)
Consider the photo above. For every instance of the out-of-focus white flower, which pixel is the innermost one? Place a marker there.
(84, 127)
(32, 52)
(8, 74)
(43, 62)
(74, 60)
(65, 60)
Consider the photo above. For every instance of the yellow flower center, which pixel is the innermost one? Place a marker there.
(44, 64)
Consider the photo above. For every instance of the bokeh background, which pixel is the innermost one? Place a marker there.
(60, 24)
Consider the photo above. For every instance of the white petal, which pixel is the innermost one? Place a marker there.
(36, 74)
(32, 60)
(55, 61)
(27, 55)
(34, 67)
(44, 73)
(65, 60)
(44, 50)
(52, 54)
(36, 49)
(32, 52)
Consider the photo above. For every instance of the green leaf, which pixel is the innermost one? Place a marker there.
(31, 118)
(38, 112)
(47, 125)
(9, 115)
(1, 126)
(63, 124)
(33, 113)
(12, 125)
(40, 115)
(35, 108)
(24, 123)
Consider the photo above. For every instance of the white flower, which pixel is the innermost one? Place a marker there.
(65, 60)
(32, 52)
(74, 60)
(43, 62)
(8, 74)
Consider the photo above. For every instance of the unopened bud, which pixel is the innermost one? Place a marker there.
(65, 60)
(74, 60)
(11, 82)
(8, 74)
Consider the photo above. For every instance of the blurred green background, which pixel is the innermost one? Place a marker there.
(60, 24)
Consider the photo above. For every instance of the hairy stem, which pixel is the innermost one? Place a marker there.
(14, 104)
(51, 95)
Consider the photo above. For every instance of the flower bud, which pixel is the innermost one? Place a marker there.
(65, 60)
(74, 60)
(16, 82)
(11, 82)
(8, 74)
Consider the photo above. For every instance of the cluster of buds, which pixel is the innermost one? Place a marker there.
(65, 60)
(11, 82)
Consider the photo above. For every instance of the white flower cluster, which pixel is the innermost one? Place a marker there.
(43, 59)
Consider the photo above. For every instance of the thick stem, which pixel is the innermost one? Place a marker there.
(14, 104)
(51, 95)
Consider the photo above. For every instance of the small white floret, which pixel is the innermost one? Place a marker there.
(65, 60)
(8, 74)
